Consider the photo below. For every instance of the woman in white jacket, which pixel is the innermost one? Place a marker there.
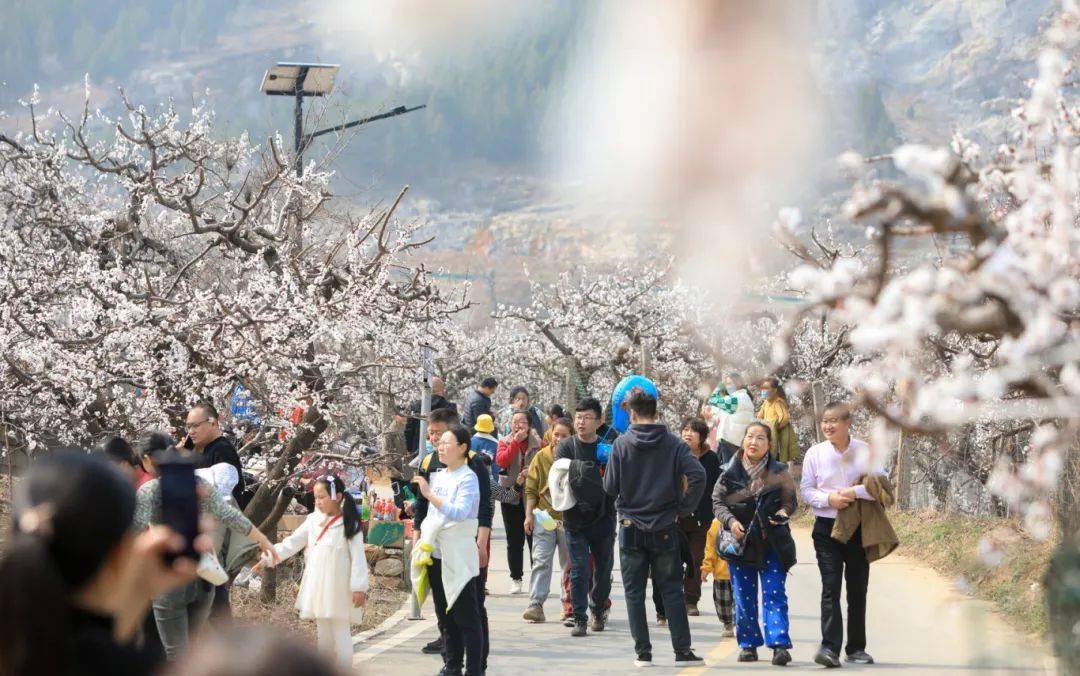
(450, 528)
(334, 588)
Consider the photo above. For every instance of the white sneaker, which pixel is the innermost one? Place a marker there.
(515, 586)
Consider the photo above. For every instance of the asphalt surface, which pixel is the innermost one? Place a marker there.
(917, 623)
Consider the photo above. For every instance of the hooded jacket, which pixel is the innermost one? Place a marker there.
(645, 475)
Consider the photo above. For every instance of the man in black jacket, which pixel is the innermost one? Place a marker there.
(479, 402)
(589, 531)
(655, 479)
(438, 400)
(439, 422)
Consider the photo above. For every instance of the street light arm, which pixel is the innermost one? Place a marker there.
(400, 110)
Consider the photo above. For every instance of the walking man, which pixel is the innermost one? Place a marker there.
(478, 402)
(830, 483)
(654, 478)
(590, 523)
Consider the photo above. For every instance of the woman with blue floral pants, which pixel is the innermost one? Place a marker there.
(753, 499)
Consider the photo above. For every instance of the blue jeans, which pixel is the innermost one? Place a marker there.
(599, 539)
(640, 552)
(744, 583)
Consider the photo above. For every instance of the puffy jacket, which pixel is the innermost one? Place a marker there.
(476, 405)
(732, 500)
(732, 416)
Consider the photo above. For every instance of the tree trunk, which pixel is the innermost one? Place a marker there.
(262, 503)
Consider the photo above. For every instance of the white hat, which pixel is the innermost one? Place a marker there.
(562, 498)
(222, 476)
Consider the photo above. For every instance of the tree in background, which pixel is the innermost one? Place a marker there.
(985, 336)
(145, 265)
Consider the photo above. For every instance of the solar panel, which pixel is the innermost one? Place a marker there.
(314, 79)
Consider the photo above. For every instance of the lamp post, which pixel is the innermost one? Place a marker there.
(311, 79)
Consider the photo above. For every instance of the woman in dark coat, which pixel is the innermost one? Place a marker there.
(753, 499)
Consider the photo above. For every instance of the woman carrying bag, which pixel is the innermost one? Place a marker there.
(450, 527)
(753, 499)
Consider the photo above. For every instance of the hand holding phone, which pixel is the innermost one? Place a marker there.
(179, 502)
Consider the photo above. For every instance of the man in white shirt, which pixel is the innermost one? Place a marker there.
(830, 474)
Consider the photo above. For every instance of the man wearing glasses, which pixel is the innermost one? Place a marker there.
(589, 530)
(209, 445)
(831, 482)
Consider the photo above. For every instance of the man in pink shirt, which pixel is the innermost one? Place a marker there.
(830, 474)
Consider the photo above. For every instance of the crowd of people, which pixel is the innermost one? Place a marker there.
(97, 583)
(711, 498)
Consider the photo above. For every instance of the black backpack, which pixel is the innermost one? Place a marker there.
(588, 488)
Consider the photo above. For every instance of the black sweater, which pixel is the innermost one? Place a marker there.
(711, 462)
(222, 450)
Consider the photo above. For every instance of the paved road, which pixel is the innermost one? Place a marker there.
(918, 623)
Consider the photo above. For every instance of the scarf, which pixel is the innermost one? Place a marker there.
(718, 396)
(756, 470)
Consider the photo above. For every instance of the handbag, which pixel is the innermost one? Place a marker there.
(727, 545)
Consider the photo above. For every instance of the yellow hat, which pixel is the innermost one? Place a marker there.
(484, 424)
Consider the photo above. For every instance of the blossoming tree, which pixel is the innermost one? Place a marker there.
(146, 264)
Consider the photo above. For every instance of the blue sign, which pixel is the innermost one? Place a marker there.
(242, 407)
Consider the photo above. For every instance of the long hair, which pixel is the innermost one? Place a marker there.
(774, 382)
(71, 511)
(350, 515)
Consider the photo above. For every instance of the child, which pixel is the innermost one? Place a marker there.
(722, 593)
(335, 569)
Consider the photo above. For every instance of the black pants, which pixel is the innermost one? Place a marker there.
(640, 552)
(514, 523)
(695, 536)
(481, 601)
(839, 562)
(463, 634)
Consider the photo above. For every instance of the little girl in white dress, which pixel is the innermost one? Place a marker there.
(334, 588)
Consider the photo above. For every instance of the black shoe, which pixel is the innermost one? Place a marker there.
(433, 648)
(687, 657)
(780, 657)
(859, 657)
(643, 660)
(748, 655)
(447, 671)
(827, 658)
(580, 629)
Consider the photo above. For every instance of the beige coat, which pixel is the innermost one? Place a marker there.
(878, 537)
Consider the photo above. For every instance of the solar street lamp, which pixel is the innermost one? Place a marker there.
(311, 79)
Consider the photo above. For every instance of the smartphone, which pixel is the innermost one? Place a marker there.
(179, 501)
